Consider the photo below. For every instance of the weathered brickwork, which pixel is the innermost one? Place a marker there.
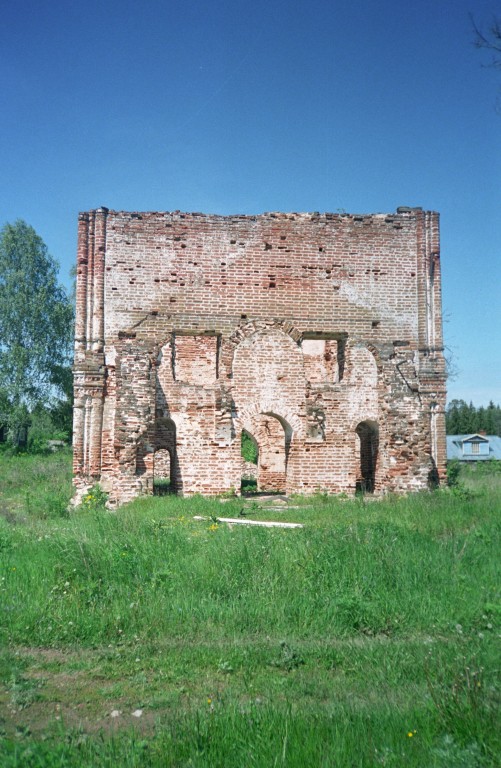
(320, 335)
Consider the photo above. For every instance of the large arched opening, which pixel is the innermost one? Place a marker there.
(367, 433)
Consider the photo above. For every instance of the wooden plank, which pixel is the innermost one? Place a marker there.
(241, 521)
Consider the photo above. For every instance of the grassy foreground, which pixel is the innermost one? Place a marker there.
(144, 638)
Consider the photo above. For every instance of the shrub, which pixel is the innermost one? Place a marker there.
(95, 499)
(453, 472)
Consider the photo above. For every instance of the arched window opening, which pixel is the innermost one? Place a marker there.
(165, 458)
(368, 439)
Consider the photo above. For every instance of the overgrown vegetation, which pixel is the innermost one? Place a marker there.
(144, 638)
(249, 449)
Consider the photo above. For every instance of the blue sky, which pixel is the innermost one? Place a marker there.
(244, 107)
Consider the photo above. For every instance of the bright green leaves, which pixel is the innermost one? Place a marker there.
(36, 318)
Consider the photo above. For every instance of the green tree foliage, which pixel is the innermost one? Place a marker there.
(249, 449)
(36, 327)
(464, 419)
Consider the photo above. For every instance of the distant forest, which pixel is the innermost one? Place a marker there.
(464, 419)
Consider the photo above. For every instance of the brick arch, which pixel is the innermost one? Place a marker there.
(247, 328)
(246, 418)
(273, 436)
(268, 374)
(165, 461)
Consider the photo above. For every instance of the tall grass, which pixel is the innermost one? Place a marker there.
(366, 638)
(149, 569)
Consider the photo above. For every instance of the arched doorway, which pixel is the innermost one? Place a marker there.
(274, 436)
(249, 450)
(165, 458)
(368, 444)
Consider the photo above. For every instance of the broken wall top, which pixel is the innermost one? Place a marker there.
(361, 274)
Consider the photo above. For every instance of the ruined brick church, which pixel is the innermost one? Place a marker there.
(317, 335)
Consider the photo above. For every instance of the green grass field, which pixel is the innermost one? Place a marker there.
(370, 637)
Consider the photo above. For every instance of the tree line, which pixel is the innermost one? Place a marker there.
(462, 418)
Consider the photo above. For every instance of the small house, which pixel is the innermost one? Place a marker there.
(477, 447)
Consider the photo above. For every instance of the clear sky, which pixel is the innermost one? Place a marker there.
(235, 106)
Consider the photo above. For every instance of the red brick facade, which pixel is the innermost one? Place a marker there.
(318, 334)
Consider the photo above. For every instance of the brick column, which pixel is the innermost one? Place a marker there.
(96, 425)
(98, 280)
(89, 370)
(80, 344)
(82, 277)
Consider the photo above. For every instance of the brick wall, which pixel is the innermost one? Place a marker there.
(312, 332)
